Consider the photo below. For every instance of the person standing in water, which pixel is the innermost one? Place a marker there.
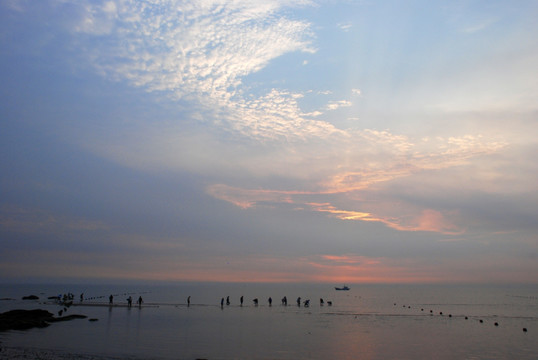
(110, 300)
(189, 301)
(139, 301)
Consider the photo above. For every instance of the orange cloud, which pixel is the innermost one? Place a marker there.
(427, 220)
(382, 157)
(245, 199)
(430, 220)
(343, 214)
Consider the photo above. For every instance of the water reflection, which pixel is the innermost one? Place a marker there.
(366, 325)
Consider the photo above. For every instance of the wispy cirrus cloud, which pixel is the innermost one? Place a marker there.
(387, 158)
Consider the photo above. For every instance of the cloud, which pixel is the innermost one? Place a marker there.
(201, 51)
(374, 158)
(97, 18)
(345, 27)
(333, 105)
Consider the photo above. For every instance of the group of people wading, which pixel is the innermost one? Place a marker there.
(129, 301)
(284, 301)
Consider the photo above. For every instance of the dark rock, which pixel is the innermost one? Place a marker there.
(24, 319)
(67, 318)
(27, 319)
(30, 297)
(93, 319)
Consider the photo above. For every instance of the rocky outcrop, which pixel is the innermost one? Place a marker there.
(27, 319)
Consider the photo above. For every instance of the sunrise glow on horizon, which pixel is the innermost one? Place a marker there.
(269, 141)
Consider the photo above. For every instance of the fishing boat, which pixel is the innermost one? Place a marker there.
(342, 288)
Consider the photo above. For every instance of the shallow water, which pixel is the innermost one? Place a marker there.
(367, 322)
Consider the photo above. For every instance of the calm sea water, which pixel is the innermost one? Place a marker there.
(367, 322)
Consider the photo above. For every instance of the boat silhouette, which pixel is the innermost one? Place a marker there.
(342, 288)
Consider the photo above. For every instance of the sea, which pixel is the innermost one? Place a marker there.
(366, 322)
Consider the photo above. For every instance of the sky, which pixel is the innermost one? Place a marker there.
(269, 141)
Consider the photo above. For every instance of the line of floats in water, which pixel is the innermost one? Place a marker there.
(481, 321)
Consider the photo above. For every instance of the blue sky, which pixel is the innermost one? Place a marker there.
(332, 141)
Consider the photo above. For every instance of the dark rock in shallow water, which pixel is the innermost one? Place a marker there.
(27, 319)
(67, 318)
(30, 297)
(24, 319)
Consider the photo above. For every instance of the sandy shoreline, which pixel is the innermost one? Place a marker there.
(27, 353)
(20, 353)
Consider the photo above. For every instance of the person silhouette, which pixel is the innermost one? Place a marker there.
(241, 300)
(139, 301)
(111, 299)
(189, 301)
